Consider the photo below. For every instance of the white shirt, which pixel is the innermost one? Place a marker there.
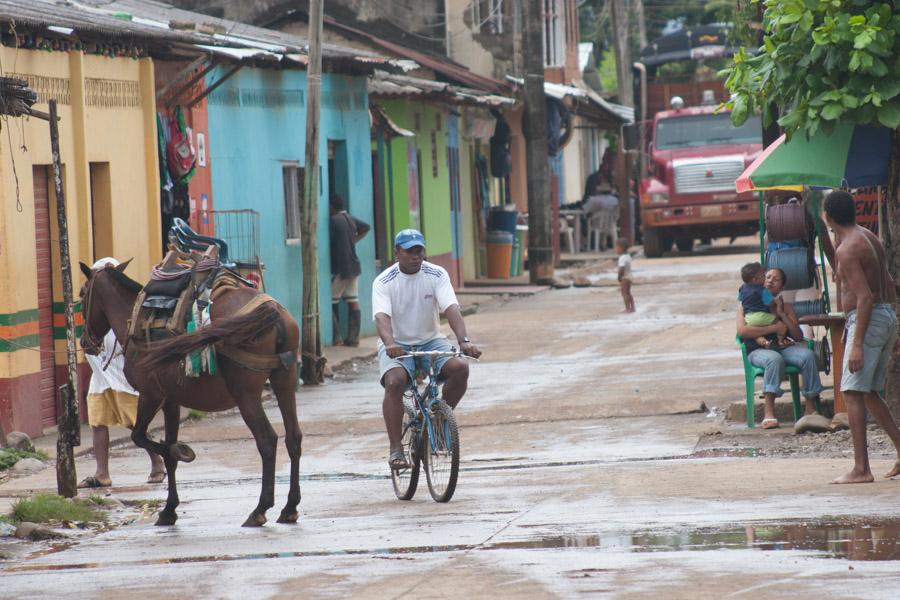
(413, 302)
(114, 375)
(625, 263)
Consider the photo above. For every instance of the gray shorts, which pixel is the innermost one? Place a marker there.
(386, 363)
(346, 289)
(877, 347)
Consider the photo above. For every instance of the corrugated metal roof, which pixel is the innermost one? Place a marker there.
(383, 84)
(152, 21)
(45, 13)
(559, 91)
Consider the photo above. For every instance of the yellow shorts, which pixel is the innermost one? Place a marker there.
(112, 408)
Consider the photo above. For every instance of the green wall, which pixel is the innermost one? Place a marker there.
(433, 214)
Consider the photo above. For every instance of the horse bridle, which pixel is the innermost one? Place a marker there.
(93, 345)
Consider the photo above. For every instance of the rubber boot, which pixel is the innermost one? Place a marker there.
(352, 338)
(336, 323)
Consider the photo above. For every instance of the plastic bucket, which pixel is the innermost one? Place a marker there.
(502, 220)
(786, 222)
(522, 239)
(499, 254)
(796, 264)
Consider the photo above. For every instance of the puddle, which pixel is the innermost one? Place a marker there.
(870, 540)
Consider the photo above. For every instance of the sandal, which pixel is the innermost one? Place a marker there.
(92, 482)
(397, 461)
(769, 423)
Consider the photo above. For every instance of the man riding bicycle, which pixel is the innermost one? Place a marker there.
(407, 299)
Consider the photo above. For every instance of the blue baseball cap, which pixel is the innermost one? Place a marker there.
(409, 238)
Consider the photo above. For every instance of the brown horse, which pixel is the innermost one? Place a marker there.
(157, 373)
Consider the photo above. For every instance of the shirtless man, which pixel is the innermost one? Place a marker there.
(867, 297)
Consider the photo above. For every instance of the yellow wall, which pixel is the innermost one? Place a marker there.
(106, 109)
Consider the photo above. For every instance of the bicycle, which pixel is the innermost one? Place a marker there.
(429, 435)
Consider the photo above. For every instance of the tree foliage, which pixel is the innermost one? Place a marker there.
(821, 62)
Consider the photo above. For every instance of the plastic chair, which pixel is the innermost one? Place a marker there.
(567, 231)
(188, 238)
(602, 223)
(751, 372)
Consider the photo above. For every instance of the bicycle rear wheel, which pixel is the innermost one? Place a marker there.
(441, 453)
(406, 481)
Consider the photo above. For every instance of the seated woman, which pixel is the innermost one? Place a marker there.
(774, 361)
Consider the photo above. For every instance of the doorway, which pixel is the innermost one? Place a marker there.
(44, 217)
(101, 210)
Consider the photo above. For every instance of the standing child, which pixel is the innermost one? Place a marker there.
(625, 274)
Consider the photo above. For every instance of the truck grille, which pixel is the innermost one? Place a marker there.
(695, 177)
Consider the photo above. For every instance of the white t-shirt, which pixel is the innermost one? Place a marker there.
(413, 302)
(625, 263)
(114, 375)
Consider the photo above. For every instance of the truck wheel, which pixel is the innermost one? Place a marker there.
(654, 243)
(685, 244)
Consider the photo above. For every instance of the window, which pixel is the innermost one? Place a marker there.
(487, 16)
(706, 130)
(292, 175)
(554, 33)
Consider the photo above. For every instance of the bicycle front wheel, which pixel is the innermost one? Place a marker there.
(441, 453)
(405, 481)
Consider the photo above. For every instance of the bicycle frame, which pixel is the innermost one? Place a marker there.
(424, 403)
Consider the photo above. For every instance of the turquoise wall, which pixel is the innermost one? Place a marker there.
(257, 122)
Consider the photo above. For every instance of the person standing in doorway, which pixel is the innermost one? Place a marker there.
(111, 401)
(867, 296)
(346, 230)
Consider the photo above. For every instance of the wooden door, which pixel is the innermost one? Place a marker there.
(43, 248)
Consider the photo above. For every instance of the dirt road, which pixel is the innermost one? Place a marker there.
(579, 476)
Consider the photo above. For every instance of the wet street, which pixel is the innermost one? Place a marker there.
(579, 477)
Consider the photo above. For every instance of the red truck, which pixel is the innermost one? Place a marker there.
(695, 154)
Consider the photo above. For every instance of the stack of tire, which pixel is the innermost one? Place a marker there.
(790, 244)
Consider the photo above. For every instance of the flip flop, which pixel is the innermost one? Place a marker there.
(157, 477)
(92, 482)
(769, 423)
(397, 461)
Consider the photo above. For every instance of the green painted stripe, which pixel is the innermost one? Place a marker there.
(59, 333)
(31, 314)
(17, 318)
(28, 341)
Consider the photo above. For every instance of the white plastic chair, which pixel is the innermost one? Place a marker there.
(602, 223)
(568, 233)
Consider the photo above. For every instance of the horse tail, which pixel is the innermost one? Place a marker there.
(235, 330)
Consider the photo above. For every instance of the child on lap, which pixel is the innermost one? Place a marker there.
(761, 309)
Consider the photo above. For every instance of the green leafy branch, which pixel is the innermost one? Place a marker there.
(822, 61)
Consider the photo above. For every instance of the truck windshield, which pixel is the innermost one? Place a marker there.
(693, 131)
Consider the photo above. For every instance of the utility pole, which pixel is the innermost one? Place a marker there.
(312, 362)
(537, 160)
(638, 6)
(620, 27)
(69, 429)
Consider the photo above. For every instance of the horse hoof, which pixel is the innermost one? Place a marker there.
(181, 451)
(255, 520)
(165, 519)
(288, 517)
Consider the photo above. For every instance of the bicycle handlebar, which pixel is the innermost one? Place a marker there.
(435, 354)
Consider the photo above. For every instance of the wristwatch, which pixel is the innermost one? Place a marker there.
(466, 340)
